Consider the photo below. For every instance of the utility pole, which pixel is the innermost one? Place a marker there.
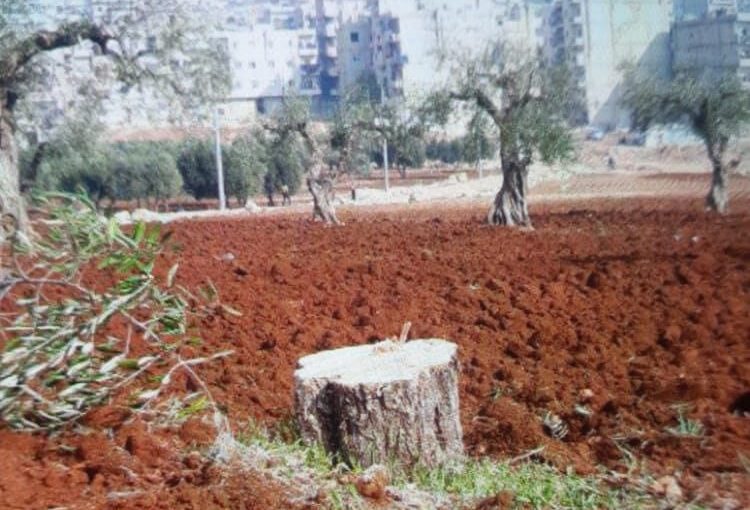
(219, 163)
(385, 141)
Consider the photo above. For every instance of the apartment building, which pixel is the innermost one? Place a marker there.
(717, 43)
(431, 30)
(594, 38)
(689, 10)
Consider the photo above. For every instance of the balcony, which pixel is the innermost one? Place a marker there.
(308, 50)
(331, 51)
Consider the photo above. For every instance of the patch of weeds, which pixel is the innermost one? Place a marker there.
(685, 426)
(313, 457)
(198, 405)
(496, 393)
(345, 498)
(533, 485)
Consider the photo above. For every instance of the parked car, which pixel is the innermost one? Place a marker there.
(594, 133)
(633, 138)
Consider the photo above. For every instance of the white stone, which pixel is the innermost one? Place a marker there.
(123, 217)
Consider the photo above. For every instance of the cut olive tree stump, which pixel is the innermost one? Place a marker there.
(385, 402)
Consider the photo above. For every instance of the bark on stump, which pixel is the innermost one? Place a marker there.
(377, 403)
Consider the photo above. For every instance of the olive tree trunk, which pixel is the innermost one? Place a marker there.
(12, 207)
(510, 207)
(321, 189)
(718, 198)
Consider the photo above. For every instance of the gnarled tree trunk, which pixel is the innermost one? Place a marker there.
(12, 207)
(510, 207)
(320, 180)
(718, 198)
(320, 185)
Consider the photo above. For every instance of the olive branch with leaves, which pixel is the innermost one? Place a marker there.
(62, 354)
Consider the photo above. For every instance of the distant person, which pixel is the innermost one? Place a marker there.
(286, 198)
(611, 162)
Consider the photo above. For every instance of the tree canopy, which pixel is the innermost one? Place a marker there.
(717, 108)
(528, 104)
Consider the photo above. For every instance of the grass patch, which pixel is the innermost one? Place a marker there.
(532, 484)
(461, 484)
(685, 426)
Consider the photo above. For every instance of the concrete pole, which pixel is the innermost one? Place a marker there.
(219, 162)
(385, 144)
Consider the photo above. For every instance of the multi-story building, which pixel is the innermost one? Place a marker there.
(387, 56)
(266, 64)
(687, 10)
(598, 37)
(553, 34)
(714, 44)
(432, 30)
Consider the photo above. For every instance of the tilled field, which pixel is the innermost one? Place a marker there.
(615, 316)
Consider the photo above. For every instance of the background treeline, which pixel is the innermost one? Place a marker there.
(151, 173)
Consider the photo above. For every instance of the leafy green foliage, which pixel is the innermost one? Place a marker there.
(528, 103)
(478, 143)
(716, 107)
(68, 352)
(246, 165)
(447, 151)
(144, 171)
(75, 159)
(289, 154)
(351, 134)
(197, 165)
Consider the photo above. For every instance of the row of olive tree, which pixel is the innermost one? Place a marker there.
(529, 106)
(77, 158)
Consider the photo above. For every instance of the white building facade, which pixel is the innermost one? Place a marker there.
(716, 44)
(594, 38)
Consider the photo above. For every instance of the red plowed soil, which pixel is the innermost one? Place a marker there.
(609, 318)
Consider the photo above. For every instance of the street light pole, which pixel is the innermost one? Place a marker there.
(385, 142)
(219, 162)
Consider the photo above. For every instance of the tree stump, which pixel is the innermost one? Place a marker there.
(373, 404)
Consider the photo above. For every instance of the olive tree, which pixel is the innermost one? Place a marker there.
(247, 161)
(295, 149)
(477, 143)
(74, 159)
(717, 108)
(197, 165)
(404, 127)
(351, 134)
(145, 171)
(152, 41)
(526, 102)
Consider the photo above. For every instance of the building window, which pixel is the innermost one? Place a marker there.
(515, 13)
(354, 37)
